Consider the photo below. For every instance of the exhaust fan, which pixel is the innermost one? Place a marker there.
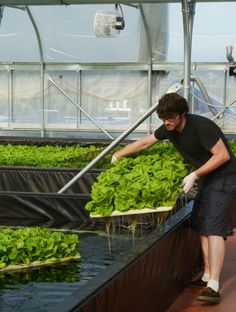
(108, 24)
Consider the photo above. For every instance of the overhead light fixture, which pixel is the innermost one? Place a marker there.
(109, 24)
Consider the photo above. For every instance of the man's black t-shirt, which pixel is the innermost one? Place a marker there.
(199, 135)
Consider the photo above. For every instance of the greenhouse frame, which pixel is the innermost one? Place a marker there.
(63, 81)
(91, 73)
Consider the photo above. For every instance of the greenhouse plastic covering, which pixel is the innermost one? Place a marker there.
(60, 71)
(67, 33)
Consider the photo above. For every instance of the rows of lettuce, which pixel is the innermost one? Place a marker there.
(57, 156)
(51, 156)
(35, 246)
(149, 180)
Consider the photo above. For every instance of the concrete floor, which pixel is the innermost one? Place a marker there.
(187, 300)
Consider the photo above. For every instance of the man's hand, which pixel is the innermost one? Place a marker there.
(114, 158)
(188, 181)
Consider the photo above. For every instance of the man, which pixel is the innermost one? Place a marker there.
(202, 144)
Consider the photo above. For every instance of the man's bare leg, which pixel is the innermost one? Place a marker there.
(216, 252)
(205, 252)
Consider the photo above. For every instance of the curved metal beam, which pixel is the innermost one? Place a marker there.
(36, 32)
(147, 32)
(68, 2)
(205, 94)
(41, 70)
(148, 37)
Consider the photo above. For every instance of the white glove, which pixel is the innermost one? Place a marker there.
(188, 181)
(113, 158)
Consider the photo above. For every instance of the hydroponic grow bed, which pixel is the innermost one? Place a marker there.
(30, 194)
(41, 289)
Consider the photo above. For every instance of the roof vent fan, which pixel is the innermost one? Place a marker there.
(109, 24)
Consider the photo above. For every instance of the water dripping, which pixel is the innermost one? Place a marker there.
(160, 217)
(108, 226)
(133, 226)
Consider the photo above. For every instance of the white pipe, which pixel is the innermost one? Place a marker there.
(109, 148)
(229, 50)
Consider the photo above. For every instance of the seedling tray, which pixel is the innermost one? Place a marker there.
(35, 264)
(117, 213)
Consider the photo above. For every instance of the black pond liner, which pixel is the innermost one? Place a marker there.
(32, 193)
(41, 289)
(43, 206)
(37, 141)
(151, 273)
(28, 196)
(147, 278)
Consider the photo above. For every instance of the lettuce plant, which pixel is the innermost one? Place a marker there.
(51, 156)
(28, 245)
(150, 179)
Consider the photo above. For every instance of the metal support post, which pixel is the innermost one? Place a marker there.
(188, 11)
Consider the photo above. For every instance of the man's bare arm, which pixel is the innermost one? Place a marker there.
(220, 155)
(136, 146)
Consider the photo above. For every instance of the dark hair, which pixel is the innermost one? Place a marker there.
(170, 104)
